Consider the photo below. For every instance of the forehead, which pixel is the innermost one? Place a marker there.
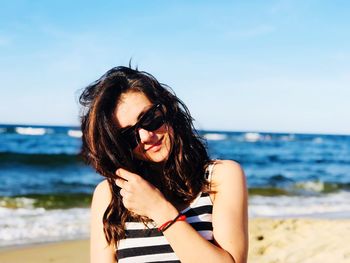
(129, 108)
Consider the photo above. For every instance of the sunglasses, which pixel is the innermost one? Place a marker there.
(151, 120)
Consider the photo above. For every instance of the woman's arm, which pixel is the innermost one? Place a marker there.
(229, 222)
(229, 215)
(100, 251)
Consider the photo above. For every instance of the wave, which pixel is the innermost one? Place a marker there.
(317, 140)
(38, 225)
(269, 159)
(71, 200)
(287, 138)
(334, 205)
(306, 188)
(256, 137)
(34, 218)
(30, 131)
(215, 136)
(252, 136)
(267, 191)
(39, 159)
(46, 201)
(320, 187)
(75, 133)
(36, 129)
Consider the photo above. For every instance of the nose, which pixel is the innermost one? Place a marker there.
(146, 136)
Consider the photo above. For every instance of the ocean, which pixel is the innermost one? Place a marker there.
(46, 189)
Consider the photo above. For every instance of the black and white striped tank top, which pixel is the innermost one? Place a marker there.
(146, 244)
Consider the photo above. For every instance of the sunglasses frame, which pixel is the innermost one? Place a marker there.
(131, 134)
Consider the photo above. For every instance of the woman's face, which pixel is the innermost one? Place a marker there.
(154, 146)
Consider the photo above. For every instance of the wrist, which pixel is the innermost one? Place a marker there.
(167, 224)
(164, 213)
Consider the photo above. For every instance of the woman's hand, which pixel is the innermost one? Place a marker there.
(142, 198)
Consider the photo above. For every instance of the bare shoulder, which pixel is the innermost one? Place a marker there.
(227, 171)
(228, 165)
(102, 196)
(228, 180)
(230, 208)
(102, 187)
(100, 249)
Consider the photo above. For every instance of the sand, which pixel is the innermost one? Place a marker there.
(62, 252)
(271, 240)
(299, 240)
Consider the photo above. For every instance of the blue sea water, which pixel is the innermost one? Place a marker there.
(46, 189)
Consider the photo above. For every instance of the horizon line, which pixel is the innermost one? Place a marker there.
(206, 130)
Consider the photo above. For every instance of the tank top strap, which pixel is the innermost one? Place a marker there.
(209, 171)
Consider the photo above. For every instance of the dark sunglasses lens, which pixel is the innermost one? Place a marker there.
(151, 121)
(154, 124)
(130, 137)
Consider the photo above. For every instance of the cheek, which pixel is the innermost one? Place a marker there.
(138, 152)
(170, 134)
(167, 132)
(168, 143)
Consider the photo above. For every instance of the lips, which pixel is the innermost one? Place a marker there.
(155, 146)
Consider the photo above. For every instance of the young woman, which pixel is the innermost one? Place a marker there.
(163, 199)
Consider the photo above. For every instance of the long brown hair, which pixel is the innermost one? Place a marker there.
(103, 147)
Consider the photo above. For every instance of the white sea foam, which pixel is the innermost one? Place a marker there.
(252, 136)
(32, 225)
(315, 186)
(333, 205)
(30, 131)
(19, 202)
(287, 138)
(75, 133)
(26, 226)
(49, 131)
(215, 136)
(317, 140)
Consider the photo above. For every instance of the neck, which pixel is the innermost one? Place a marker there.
(155, 175)
(157, 167)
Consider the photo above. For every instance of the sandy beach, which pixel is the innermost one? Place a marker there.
(299, 240)
(271, 240)
(68, 251)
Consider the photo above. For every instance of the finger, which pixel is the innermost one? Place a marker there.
(125, 174)
(123, 193)
(120, 182)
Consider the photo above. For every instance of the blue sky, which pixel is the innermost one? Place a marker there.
(281, 66)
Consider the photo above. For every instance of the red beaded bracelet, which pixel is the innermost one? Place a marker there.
(166, 225)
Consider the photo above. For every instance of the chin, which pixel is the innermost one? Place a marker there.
(158, 157)
(154, 157)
